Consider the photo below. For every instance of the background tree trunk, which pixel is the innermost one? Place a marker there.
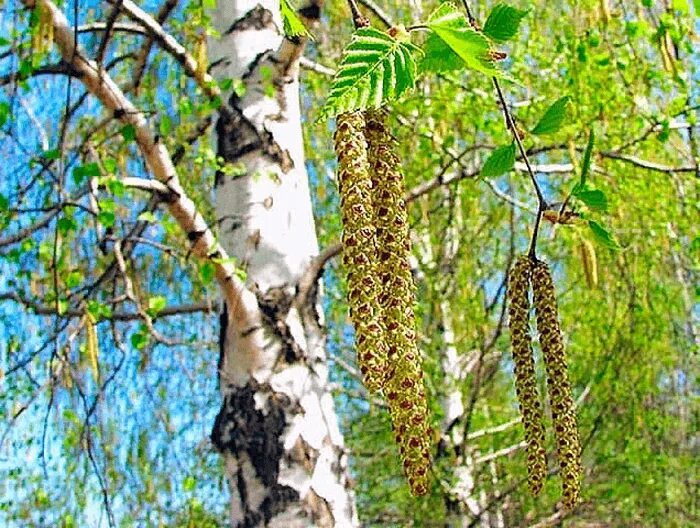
(277, 427)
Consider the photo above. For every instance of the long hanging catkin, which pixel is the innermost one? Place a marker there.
(559, 388)
(359, 248)
(404, 389)
(525, 379)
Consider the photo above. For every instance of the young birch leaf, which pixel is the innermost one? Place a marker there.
(500, 161)
(502, 23)
(439, 57)
(375, 68)
(293, 26)
(450, 24)
(602, 235)
(553, 118)
(594, 198)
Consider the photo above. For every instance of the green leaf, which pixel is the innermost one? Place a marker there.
(66, 225)
(602, 235)
(188, 484)
(502, 23)
(553, 118)
(375, 68)
(116, 186)
(147, 216)
(139, 339)
(89, 170)
(74, 279)
(156, 305)
(293, 26)
(594, 198)
(586, 165)
(206, 272)
(52, 154)
(500, 161)
(450, 24)
(106, 218)
(439, 57)
(165, 125)
(128, 132)
(99, 310)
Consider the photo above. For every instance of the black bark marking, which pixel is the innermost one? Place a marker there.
(241, 429)
(256, 62)
(311, 11)
(194, 236)
(274, 305)
(223, 326)
(257, 18)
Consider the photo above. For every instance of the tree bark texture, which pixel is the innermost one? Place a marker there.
(277, 428)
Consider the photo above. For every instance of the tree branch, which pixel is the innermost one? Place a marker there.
(205, 81)
(242, 303)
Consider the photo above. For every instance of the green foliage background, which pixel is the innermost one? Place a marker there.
(631, 75)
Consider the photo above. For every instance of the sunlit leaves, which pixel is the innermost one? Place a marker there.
(81, 172)
(128, 132)
(293, 26)
(206, 272)
(375, 68)
(452, 27)
(4, 112)
(553, 118)
(500, 161)
(139, 339)
(503, 22)
(593, 198)
(156, 305)
(602, 235)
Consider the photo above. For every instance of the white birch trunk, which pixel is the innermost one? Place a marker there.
(277, 428)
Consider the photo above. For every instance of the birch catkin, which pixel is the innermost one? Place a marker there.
(359, 248)
(404, 389)
(525, 379)
(559, 388)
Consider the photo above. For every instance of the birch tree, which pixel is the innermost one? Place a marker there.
(186, 312)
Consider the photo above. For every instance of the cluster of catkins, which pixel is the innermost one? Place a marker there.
(525, 272)
(376, 249)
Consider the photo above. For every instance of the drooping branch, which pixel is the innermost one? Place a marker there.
(168, 311)
(242, 303)
(168, 43)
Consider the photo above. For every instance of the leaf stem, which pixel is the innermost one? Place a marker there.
(510, 123)
(541, 202)
(471, 18)
(358, 19)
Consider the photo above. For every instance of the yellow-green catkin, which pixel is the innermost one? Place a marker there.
(405, 393)
(404, 389)
(359, 248)
(42, 33)
(558, 385)
(525, 378)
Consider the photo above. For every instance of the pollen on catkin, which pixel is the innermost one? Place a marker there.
(404, 389)
(525, 378)
(408, 406)
(359, 248)
(393, 244)
(558, 385)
